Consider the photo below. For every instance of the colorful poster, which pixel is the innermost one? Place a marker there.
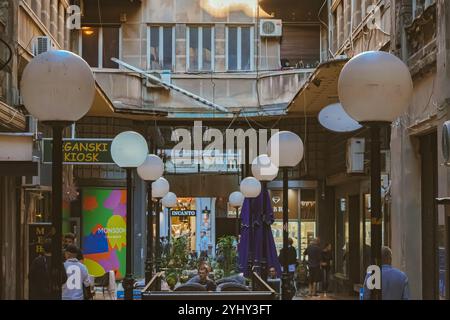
(104, 231)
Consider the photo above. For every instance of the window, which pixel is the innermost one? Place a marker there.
(200, 50)
(99, 44)
(161, 53)
(342, 237)
(419, 6)
(240, 48)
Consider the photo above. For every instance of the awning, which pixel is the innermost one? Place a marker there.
(319, 91)
(16, 157)
(103, 107)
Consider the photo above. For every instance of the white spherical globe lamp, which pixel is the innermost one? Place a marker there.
(129, 149)
(236, 199)
(58, 85)
(285, 149)
(160, 188)
(334, 118)
(375, 86)
(169, 200)
(152, 169)
(263, 168)
(250, 187)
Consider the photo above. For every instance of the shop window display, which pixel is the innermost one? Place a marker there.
(307, 218)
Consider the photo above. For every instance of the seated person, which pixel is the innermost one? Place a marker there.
(273, 273)
(203, 279)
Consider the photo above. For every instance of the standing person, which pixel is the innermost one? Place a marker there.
(40, 274)
(314, 254)
(291, 260)
(325, 263)
(70, 239)
(204, 242)
(77, 276)
(394, 283)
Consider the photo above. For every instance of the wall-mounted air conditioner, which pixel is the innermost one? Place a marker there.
(355, 155)
(271, 28)
(42, 44)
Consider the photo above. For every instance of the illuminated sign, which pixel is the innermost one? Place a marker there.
(81, 151)
(183, 213)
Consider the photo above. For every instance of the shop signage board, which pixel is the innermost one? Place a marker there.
(81, 151)
(38, 233)
(183, 213)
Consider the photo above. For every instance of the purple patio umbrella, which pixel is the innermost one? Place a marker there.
(257, 246)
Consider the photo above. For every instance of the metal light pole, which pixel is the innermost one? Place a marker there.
(58, 89)
(160, 189)
(57, 196)
(128, 281)
(149, 259)
(150, 171)
(286, 151)
(286, 288)
(129, 151)
(384, 90)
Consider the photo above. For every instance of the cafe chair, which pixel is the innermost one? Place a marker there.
(190, 287)
(103, 282)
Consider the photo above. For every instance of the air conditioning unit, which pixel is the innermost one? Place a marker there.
(355, 155)
(271, 28)
(42, 44)
(34, 181)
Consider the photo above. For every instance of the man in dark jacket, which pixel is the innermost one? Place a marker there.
(291, 261)
(40, 274)
(314, 254)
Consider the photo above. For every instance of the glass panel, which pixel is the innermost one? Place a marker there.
(193, 48)
(90, 38)
(207, 48)
(154, 48)
(168, 48)
(232, 48)
(110, 47)
(245, 51)
(307, 218)
(367, 237)
(342, 245)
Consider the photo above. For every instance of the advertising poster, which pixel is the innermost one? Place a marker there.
(104, 231)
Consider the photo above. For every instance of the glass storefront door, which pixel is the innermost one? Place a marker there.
(302, 218)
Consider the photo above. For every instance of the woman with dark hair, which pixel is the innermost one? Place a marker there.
(325, 264)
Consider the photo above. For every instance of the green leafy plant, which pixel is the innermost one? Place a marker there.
(226, 255)
(175, 260)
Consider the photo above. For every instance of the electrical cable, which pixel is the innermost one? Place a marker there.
(10, 54)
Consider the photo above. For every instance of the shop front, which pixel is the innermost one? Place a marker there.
(192, 218)
(302, 214)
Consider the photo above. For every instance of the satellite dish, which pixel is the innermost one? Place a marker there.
(335, 118)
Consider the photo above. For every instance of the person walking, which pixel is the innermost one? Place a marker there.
(394, 283)
(204, 242)
(314, 254)
(78, 279)
(325, 264)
